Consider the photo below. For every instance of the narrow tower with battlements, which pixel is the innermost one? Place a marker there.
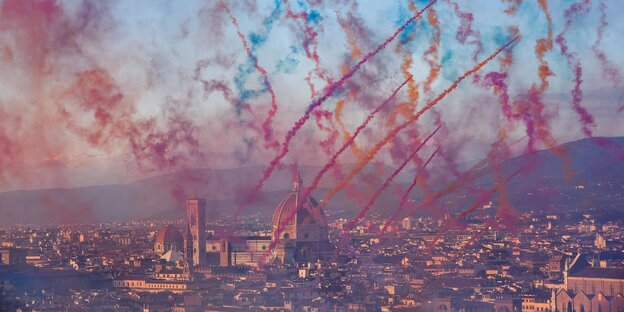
(196, 212)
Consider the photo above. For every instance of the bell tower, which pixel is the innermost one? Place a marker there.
(196, 213)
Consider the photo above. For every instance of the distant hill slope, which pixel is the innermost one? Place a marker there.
(581, 175)
(595, 179)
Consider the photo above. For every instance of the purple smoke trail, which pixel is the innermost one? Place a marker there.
(387, 183)
(332, 161)
(406, 194)
(328, 91)
(609, 70)
(575, 64)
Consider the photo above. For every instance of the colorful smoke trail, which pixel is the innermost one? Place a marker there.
(386, 183)
(332, 161)
(371, 153)
(587, 120)
(328, 92)
(405, 196)
(270, 142)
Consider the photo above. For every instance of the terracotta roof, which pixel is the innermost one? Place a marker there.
(307, 209)
(169, 234)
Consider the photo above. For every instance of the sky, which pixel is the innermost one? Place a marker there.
(97, 92)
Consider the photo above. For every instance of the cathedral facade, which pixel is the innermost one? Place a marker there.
(301, 226)
(590, 288)
(304, 238)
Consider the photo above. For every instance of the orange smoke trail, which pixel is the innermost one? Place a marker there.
(355, 149)
(355, 52)
(270, 142)
(513, 7)
(543, 46)
(432, 55)
(407, 109)
(352, 41)
(371, 154)
(332, 161)
(531, 107)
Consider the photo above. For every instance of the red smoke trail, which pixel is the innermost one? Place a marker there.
(330, 142)
(371, 153)
(328, 91)
(270, 142)
(478, 202)
(513, 8)
(332, 161)
(395, 214)
(609, 70)
(485, 196)
(468, 176)
(574, 63)
(386, 183)
(473, 238)
(310, 45)
(530, 106)
(496, 80)
(465, 30)
(353, 28)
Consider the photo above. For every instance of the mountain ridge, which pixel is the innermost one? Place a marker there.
(595, 160)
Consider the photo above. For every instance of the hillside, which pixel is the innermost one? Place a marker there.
(594, 179)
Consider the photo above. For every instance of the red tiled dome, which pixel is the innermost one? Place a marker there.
(169, 234)
(309, 212)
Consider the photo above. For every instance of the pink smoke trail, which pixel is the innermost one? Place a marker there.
(328, 91)
(486, 196)
(270, 142)
(466, 31)
(385, 185)
(490, 224)
(332, 161)
(393, 133)
(310, 45)
(609, 70)
(587, 120)
(395, 214)
(479, 201)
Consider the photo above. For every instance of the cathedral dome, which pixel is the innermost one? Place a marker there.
(169, 234)
(309, 212)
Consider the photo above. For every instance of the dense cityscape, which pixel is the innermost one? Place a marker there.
(548, 262)
(311, 155)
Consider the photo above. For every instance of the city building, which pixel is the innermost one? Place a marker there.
(590, 288)
(302, 227)
(12, 256)
(195, 245)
